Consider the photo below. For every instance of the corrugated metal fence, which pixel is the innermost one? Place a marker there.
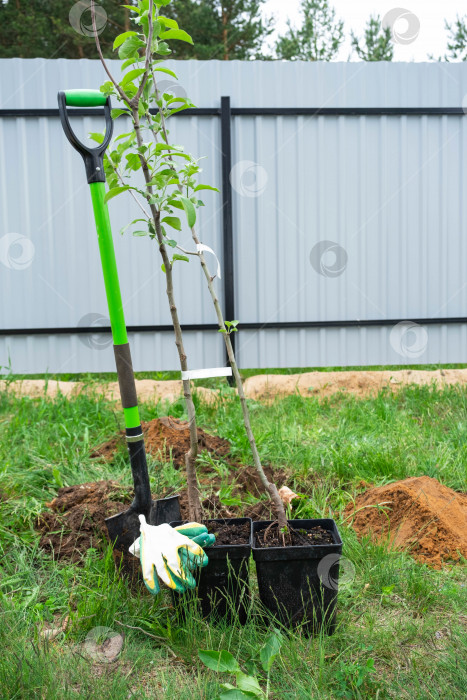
(346, 186)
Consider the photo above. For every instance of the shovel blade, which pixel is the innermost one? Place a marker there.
(124, 528)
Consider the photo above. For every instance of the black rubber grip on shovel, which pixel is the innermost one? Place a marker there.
(126, 377)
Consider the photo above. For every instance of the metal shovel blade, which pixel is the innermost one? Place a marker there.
(124, 528)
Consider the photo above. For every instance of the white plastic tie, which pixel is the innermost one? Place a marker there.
(206, 373)
(200, 247)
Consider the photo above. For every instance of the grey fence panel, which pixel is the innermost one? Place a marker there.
(335, 219)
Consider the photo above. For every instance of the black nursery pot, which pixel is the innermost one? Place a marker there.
(223, 587)
(298, 585)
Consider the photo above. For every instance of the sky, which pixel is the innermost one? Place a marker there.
(431, 38)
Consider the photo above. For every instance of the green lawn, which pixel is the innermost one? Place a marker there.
(402, 626)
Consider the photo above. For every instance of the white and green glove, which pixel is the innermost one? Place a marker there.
(171, 554)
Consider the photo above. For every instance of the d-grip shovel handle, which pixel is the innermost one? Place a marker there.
(93, 157)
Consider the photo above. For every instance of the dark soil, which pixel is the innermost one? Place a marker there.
(229, 533)
(167, 438)
(272, 537)
(76, 519)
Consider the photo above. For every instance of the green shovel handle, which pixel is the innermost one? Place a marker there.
(85, 98)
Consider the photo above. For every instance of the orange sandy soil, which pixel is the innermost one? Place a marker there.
(262, 387)
(418, 514)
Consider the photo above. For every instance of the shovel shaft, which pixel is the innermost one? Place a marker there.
(94, 164)
(134, 433)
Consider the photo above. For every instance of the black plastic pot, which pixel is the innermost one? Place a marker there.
(223, 589)
(298, 585)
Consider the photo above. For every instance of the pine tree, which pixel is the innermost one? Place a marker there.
(457, 40)
(43, 28)
(377, 43)
(318, 39)
(220, 29)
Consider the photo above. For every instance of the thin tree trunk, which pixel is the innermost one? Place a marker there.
(270, 488)
(194, 503)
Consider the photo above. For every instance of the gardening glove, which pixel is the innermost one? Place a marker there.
(172, 553)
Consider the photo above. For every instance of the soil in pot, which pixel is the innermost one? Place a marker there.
(273, 537)
(227, 534)
(223, 589)
(298, 583)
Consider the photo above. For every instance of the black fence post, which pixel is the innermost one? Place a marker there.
(227, 223)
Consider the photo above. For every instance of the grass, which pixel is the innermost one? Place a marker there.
(402, 626)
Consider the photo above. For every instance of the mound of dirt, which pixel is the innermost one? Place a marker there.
(76, 519)
(266, 387)
(166, 437)
(417, 514)
(150, 390)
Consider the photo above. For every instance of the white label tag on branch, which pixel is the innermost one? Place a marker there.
(200, 247)
(206, 373)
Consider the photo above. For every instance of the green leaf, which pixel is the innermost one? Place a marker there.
(121, 38)
(168, 22)
(118, 113)
(130, 61)
(131, 75)
(163, 49)
(236, 694)
(190, 211)
(205, 187)
(248, 683)
(184, 259)
(173, 221)
(168, 71)
(115, 191)
(163, 268)
(219, 660)
(96, 136)
(177, 34)
(130, 47)
(270, 650)
(171, 242)
(133, 161)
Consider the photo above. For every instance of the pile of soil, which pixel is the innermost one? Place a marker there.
(420, 515)
(165, 438)
(262, 387)
(229, 534)
(361, 383)
(76, 519)
(273, 537)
